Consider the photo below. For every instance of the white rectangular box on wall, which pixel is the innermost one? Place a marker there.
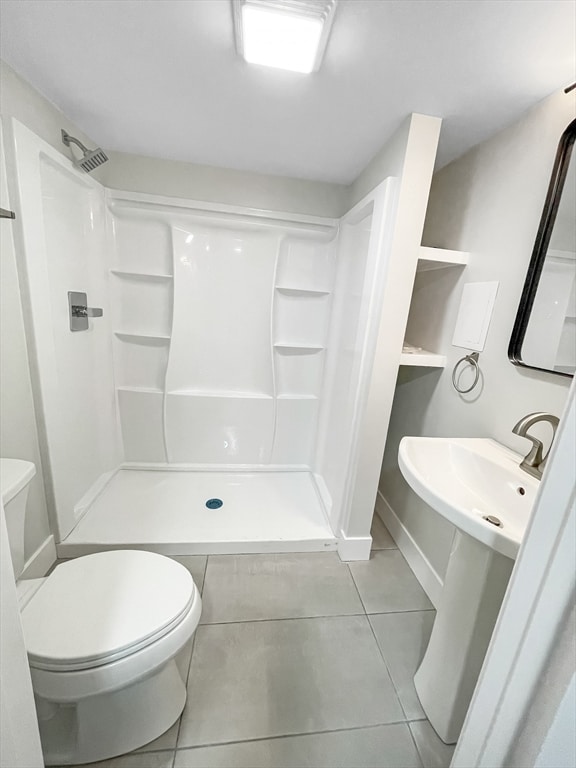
(474, 315)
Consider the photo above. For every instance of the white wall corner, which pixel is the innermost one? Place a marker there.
(41, 561)
(354, 547)
(429, 579)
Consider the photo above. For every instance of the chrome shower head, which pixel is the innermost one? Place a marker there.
(91, 158)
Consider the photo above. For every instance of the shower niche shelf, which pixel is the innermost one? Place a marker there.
(296, 396)
(141, 360)
(131, 336)
(297, 291)
(301, 347)
(140, 275)
(223, 394)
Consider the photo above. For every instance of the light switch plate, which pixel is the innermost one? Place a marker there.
(474, 315)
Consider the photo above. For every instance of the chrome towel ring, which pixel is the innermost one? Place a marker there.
(472, 359)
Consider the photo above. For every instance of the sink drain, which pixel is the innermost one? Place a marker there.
(214, 503)
(494, 521)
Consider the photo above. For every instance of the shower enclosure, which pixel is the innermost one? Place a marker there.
(231, 362)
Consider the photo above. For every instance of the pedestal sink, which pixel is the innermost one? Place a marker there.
(478, 486)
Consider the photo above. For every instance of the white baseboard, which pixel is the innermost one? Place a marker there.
(41, 561)
(354, 547)
(429, 579)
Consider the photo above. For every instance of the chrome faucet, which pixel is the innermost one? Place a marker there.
(534, 462)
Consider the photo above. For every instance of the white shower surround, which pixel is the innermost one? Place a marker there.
(233, 341)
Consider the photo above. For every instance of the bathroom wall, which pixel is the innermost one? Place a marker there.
(489, 203)
(389, 161)
(20, 745)
(409, 156)
(220, 324)
(21, 100)
(135, 173)
(19, 435)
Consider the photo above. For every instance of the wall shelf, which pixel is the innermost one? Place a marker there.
(297, 396)
(440, 258)
(216, 393)
(415, 356)
(292, 291)
(301, 347)
(129, 336)
(141, 275)
(148, 390)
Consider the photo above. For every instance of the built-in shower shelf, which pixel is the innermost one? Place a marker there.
(142, 336)
(440, 258)
(148, 390)
(141, 275)
(416, 356)
(300, 347)
(296, 396)
(292, 291)
(217, 393)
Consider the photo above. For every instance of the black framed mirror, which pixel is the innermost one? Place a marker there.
(544, 333)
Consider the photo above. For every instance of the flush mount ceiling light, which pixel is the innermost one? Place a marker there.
(286, 34)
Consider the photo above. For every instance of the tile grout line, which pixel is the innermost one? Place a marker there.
(293, 735)
(420, 756)
(315, 616)
(380, 649)
(189, 668)
(281, 618)
(281, 736)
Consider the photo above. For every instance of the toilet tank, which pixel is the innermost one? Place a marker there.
(15, 477)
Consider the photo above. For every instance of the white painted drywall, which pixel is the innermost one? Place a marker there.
(136, 173)
(21, 100)
(410, 157)
(19, 735)
(489, 203)
(559, 747)
(19, 435)
(388, 161)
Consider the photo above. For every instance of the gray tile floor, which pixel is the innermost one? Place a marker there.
(302, 661)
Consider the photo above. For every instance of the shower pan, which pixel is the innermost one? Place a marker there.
(230, 362)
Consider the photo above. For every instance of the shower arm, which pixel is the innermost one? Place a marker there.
(67, 140)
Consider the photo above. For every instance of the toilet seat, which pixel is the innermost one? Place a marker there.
(98, 609)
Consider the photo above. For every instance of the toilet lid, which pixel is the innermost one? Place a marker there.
(101, 607)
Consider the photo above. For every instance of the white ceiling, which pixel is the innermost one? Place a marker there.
(162, 78)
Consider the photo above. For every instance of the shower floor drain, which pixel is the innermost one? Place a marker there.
(214, 503)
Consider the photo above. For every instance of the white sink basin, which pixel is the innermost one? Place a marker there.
(468, 479)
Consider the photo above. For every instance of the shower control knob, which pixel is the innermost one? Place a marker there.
(79, 311)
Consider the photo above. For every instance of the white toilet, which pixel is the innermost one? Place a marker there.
(108, 639)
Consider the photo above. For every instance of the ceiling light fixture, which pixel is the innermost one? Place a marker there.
(286, 34)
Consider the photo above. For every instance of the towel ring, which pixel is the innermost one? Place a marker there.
(472, 359)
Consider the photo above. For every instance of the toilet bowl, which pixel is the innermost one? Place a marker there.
(108, 638)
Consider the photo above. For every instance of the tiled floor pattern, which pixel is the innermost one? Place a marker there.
(302, 661)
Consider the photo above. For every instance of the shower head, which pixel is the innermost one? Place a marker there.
(91, 158)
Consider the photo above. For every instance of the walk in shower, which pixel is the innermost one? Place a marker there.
(230, 362)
